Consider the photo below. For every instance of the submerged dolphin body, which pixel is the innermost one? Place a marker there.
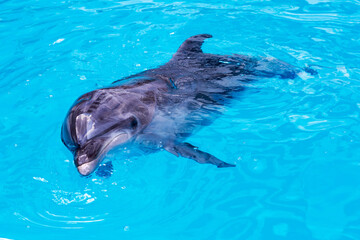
(159, 108)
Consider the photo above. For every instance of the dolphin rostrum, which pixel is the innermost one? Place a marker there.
(161, 107)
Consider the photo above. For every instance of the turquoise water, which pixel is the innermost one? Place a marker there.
(295, 142)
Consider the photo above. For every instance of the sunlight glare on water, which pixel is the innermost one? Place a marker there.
(295, 141)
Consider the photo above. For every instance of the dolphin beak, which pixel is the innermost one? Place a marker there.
(86, 169)
(88, 157)
(85, 166)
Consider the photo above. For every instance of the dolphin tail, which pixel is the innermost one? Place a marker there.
(189, 151)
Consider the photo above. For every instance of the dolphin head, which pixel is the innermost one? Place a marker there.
(99, 121)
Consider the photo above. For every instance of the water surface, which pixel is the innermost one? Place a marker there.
(295, 142)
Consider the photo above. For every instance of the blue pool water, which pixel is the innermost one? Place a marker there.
(295, 142)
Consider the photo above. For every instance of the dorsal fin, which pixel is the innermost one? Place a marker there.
(193, 44)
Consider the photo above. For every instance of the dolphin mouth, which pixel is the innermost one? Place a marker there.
(89, 167)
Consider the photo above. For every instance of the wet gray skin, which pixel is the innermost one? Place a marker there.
(158, 108)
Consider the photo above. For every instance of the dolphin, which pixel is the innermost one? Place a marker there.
(159, 108)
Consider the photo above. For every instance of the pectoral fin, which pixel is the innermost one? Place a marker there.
(189, 151)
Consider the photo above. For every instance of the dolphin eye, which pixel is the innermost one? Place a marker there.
(134, 123)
